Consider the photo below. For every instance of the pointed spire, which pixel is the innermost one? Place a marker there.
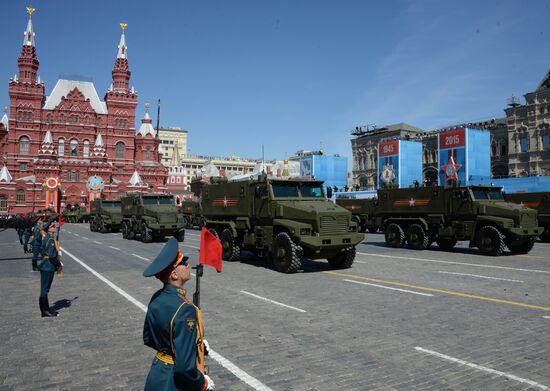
(29, 33)
(122, 45)
(47, 149)
(5, 175)
(5, 121)
(135, 180)
(147, 124)
(48, 138)
(98, 141)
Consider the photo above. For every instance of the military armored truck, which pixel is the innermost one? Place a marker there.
(192, 213)
(420, 216)
(363, 211)
(151, 216)
(105, 216)
(540, 201)
(285, 220)
(70, 213)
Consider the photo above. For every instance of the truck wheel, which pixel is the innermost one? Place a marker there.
(104, 228)
(146, 234)
(131, 233)
(520, 247)
(230, 250)
(417, 238)
(394, 235)
(215, 233)
(287, 255)
(91, 226)
(343, 260)
(124, 230)
(180, 236)
(446, 243)
(490, 241)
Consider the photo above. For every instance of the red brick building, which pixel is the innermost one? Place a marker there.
(72, 135)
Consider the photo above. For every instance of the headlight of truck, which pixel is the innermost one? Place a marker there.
(305, 231)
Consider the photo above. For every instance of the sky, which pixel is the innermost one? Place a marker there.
(293, 74)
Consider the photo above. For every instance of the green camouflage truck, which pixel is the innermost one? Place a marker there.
(286, 220)
(192, 213)
(420, 216)
(363, 211)
(105, 216)
(540, 201)
(151, 216)
(71, 213)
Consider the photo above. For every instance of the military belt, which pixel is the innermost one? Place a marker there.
(45, 257)
(165, 358)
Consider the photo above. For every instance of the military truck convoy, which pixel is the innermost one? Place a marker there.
(285, 220)
(151, 216)
(540, 201)
(75, 214)
(105, 216)
(445, 215)
(192, 213)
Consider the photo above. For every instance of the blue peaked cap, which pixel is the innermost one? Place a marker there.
(165, 258)
(47, 224)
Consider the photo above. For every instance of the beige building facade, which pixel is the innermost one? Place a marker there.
(172, 138)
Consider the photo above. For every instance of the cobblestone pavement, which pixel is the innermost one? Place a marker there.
(451, 320)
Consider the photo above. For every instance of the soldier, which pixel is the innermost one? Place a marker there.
(36, 243)
(20, 228)
(49, 265)
(27, 233)
(173, 327)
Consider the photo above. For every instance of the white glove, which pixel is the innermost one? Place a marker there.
(209, 383)
(206, 347)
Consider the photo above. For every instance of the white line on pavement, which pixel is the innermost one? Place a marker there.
(114, 248)
(84, 237)
(140, 257)
(387, 287)
(456, 263)
(95, 241)
(546, 317)
(482, 368)
(239, 373)
(273, 301)
(475, 275)
(76, 234)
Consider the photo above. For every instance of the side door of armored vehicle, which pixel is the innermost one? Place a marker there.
(462, 212)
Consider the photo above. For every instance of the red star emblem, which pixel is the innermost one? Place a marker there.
(451, 170)
(225, 202)
(412, 202)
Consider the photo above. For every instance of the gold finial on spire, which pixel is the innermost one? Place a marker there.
(123, 26)
(30, 11)
(147, 106)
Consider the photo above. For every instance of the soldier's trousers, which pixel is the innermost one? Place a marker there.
(36, 251)
(46, 279)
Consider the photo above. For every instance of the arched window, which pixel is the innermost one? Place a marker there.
(43, 193)
(147, 154)
(69, 176)
(3, 203)
(24, 145)
(20, 197)
(120, 150)
(61, 147)
(49, 118)
(62, 118)
(86, 148)
(73, 148)
(493, 149)
(77, 176)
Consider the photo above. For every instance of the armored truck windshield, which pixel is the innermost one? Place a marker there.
(488, 194)
(297, 190)
(158, 200)
(110, 204)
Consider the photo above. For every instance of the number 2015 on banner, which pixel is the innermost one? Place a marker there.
(452, 139)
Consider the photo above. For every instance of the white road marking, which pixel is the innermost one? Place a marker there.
(235, 370)
(84, 237)
(387, 287)
(456, 263)
(546, 317)
(193, 239)
(140, 257)
(69, 232)
(95, 241)
(114, 248)
(76, 234)
(475, 275)
(482, 368)
(272, 301)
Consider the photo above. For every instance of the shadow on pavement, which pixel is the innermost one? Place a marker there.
(63, 303)
(15, 259)
(308, 266)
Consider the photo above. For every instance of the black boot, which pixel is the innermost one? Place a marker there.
(34, 265)
(48, 307)
(44, 308)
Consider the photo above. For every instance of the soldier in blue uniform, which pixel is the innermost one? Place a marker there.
(36, 243)
(48, 266)
(27, 233)
(173, 327)
(19, 228)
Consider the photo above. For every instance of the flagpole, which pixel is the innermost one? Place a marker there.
(197, 294)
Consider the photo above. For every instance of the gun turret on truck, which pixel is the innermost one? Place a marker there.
(286, 220)
(150, 216)
(420, 216)
(105, 216)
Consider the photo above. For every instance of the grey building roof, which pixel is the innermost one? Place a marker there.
(62, 89)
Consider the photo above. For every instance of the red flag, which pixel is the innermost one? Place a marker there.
(211, 250)
(61, 221)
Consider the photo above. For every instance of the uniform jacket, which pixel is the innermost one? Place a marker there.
(48, 250)
(173, 326)
(37, 237)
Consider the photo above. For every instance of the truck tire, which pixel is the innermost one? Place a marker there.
(490, 241)
(394, 235)
(146, 234)
(92, 226)
(103, 228)
(230, 250)
(214, 232)
(522, 247)
(417, 239)
(131, 233)
(124, 230)
(287, 256)
(343, 260)
(446, 243)
(180, 236)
